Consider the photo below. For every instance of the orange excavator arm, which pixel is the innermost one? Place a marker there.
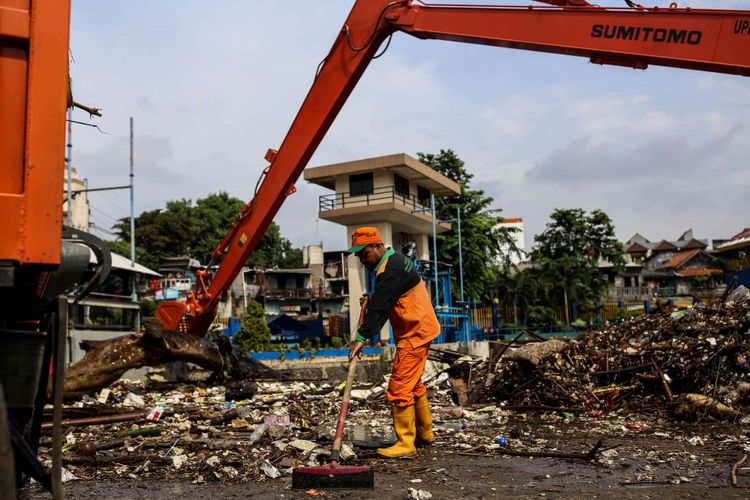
(698, 39)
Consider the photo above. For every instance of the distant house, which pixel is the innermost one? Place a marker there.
(735, 253)
(628, 286)
(641, 249)
(287, 291)
(319, 289)
(670, 268)
(690, 272)
(178, 277)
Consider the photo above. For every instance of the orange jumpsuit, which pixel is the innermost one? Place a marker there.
(401, 296)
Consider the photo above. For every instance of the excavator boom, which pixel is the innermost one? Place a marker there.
(697, 39)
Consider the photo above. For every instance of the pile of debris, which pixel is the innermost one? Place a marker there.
(692, 362)
(232, 428)
(187, 431)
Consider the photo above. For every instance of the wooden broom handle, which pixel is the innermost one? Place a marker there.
(339, 436)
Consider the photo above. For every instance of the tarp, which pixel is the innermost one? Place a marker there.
(303, 328)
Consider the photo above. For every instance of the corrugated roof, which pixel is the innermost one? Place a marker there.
(120, 262)
(738, 240)
(679, 258)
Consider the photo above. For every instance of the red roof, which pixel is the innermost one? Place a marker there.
(694, 244)
(664, 245)
(637, 248)
(745, 233)
(687, 273)
(680, 258)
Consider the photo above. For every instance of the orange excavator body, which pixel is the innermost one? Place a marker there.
(33, 100)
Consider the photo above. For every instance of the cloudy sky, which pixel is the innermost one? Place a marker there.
(213, 85)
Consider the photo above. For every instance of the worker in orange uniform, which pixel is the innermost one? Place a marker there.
(401, 296)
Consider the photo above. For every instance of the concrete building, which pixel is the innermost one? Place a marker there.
(80, 202)
(516, 225)
(391, 193)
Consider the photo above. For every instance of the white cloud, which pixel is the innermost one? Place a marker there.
(211, 87)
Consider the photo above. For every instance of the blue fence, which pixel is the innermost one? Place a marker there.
(320, 353)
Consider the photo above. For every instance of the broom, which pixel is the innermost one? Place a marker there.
(334, 475)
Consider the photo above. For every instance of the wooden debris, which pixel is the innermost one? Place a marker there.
(590, 455)
(106, 361)
(735, 467)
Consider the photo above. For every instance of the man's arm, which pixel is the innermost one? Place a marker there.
(382, 302)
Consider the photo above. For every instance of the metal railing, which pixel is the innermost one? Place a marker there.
(287, 293)
(668, 291)
(386, 194)
(629, 293)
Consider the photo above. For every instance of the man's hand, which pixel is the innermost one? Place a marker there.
(363, 299)
(356, 350)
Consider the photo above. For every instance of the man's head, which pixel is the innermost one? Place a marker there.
(368, 246)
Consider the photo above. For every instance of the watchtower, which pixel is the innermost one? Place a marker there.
(392, 193)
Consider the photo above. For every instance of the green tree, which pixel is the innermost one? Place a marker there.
(518, 288)
(254, 334)
(213, 216)
(275, 251)
(481, 239)
(161, 233)
(568, 253)
(184, 229)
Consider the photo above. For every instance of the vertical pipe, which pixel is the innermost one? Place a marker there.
(434, 249)
(132, 216)
(60, 333)
(244, 292)
(460, 255)
(70, 167)
(465, 329)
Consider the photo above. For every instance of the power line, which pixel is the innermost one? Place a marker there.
(113, 219)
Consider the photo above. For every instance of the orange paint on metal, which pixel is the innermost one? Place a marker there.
(33, 92)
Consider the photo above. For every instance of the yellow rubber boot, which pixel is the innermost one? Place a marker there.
(425, 437)
(406, 431)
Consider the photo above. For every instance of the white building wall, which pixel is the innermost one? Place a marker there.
(518, 236)
(80, 210)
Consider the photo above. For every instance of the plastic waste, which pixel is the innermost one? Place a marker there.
(155, 413)
(501, 441)
(453, 425)
(257, 433)
(741, 361)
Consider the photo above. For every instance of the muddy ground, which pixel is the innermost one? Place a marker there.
(640, 459)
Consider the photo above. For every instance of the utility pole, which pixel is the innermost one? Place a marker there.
(132, 216)
(69, 167)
